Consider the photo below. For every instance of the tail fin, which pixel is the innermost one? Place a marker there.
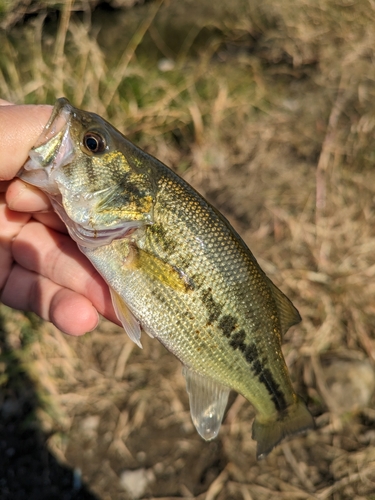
(296, 418)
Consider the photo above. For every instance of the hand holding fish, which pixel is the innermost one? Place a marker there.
(41, 268)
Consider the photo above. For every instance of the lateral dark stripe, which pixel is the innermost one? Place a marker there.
(213, 308)
(257, 366)
(251, 353)
(273, 389)
(237, 341)
(227, 324)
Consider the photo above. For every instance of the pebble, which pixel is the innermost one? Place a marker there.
(351, 383)
(136, 481)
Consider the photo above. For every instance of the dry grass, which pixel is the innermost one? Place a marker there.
(268, 108)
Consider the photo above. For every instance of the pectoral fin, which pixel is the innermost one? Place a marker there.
(159, 270)
(128, 321)
(208, 400)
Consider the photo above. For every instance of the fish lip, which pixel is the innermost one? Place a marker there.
(41, 174)
(62, 110)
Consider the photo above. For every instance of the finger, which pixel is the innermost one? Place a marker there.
(57, 257)
(51, 220)
(23, 197)
(70, 312)
(3, 102)
(11, 224)
(20, 127)
(4, 186)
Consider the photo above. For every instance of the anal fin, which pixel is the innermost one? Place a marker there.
(208, 400)
(128, 321)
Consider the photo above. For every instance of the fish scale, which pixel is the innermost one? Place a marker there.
(175, 268)
(164, 314)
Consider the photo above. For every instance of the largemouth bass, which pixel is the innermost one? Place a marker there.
(176, 269)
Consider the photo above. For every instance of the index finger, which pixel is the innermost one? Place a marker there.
(20, 127)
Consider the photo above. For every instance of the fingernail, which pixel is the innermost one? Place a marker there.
(96, 325)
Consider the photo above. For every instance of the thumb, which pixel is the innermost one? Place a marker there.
(20, 127)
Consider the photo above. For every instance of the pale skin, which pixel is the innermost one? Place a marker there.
(41, 268)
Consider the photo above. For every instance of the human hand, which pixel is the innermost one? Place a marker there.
(41, 268)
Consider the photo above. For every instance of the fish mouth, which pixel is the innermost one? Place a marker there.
(53, 149)
(59, 119)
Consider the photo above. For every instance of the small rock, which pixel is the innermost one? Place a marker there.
(136, 481)
(141, 456)
(351, 383)
(166, 65)
(90, 424)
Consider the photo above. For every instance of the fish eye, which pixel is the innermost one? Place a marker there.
(94, 142)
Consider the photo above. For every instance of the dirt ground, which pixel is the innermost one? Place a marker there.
(268, 109)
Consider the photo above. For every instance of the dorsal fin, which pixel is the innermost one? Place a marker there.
(288, 314)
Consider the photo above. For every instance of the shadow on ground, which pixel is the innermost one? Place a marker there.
(28, 471)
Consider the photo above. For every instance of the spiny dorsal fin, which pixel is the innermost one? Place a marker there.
(288, 314)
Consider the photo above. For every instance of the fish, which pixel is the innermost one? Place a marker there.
(176, 269)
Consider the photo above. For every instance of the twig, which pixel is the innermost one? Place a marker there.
(367, 343)
(118, 74)
(322, 167)
(122, 360)
(58, 56)
(352, 478)
(290, 458)
(63, 28)
(322, 386)
(217, 485)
